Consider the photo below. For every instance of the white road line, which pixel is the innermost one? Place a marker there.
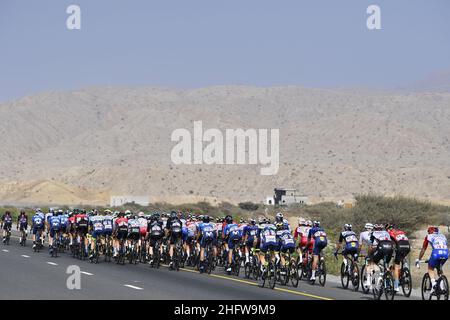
(52, 263)
(25, 256)
(132, 287)
(87, 273)
(4, 250)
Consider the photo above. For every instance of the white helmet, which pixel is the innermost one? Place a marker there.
(141, 214)
(301, 221)
(368, 226)
(309, 223)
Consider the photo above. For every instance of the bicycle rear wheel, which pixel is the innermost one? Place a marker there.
(388, 282)
(355, 276)
(344, 277)
(293, 273)
(322, 273)
(442, 288)
(426, 287)
(406, 281)
(272, 274)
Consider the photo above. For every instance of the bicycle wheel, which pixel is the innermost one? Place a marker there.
(293, 273)
(363, 277)
(344, 277)
(377, 286)
(388, 282)
(355, 276)
(283, 275)
(442, 288)
(262, 277)
(322, 273)
(406, 282)
(426, 287)
(272, 272)
(247, 270)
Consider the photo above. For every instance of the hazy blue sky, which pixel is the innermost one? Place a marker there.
(194, 43)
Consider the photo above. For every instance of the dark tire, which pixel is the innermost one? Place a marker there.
(363, 280)
(442, 285)
(355, 277)
(406, 282)
(272, 275)
(323, 273)
(426, 287)
(389, 291)
(344, 277)
(293, 273)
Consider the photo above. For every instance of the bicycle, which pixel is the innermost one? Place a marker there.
(321, 271)
(440, 288)
(23, 237)
(270, 271)
(289, 271)
(120, 259)
(209, 259)
(251, 267)
(383, 282)
(39, 242)
(156, 259)
(236, 260)
(365, 289)
(8, 236)
(405, 278)
(55, 246)
(349, 272)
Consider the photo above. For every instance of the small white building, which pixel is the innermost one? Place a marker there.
(117, 201)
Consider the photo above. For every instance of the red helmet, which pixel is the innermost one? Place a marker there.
(433, 230)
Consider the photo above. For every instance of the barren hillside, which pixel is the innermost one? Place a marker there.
(83, 146)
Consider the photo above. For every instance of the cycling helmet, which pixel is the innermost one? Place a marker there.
(279, 217)
(229, 219)
(301, 222)
(241, 220)
(433, 229)
(316, 223)
(173, 214)
(368, 226)
(389, 226)
(141, 214)
(38, 210)
(309, 223)
(252, 221)
(205, 219)
(378, 227)
(348, 227)
(121, 214)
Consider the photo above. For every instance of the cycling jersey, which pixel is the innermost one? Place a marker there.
(7, 221)
(96, 224)
(268, 238)
(320, 239)
(121, 225)
(208, 232)
(286, 241)
(55, 225)
(382, 241)
(439, 247)
(402, 246)
(107, 224)
(234, 235)
(250, 231)
(64, 220)
(37, 223)
(143, 225)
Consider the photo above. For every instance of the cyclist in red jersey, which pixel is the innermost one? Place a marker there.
(402, 248)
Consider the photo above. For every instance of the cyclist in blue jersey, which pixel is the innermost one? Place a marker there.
(37, 225)
(250, 234)
(268, 241)
(233, 237)
(439, 253)
(54, 224)
(317, 233)
(208, 236)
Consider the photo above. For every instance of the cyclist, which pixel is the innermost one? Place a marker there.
(37, 225)
(364, 238)
(318, 234)
(208, 235)
(190, 233)
(120, 231)
(96, 229)
(402, 249)
(286, 242)
(64, 220)
(268, 241)
(155, 234)
(250, 233)
(173, 231)
(82, 227)
(54, 224)
(233, 237)
(22, 225)
(381, 248)
(351, 244)
(134, 230)
(439, 252)
(301, 236)
(143, 225)
(6, 224)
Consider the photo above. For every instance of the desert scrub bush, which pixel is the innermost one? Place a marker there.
(248, 206)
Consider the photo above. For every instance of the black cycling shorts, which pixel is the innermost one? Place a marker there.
(384, 250)
(401, 251)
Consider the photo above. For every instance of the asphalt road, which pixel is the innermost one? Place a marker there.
(28, 275)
